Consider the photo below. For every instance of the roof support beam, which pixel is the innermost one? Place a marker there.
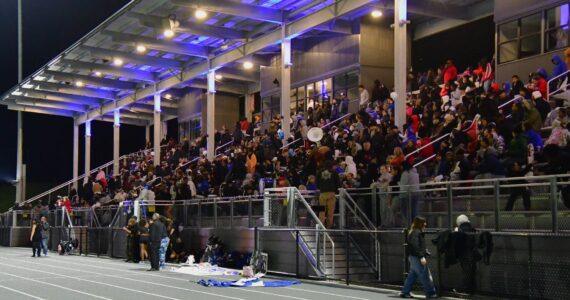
(239, 75)
(160, 45)
(337, 26)
(128, 57)
(292, 30)
(46, 111)
(124, 120)
(59, 97)
(110, 70)
(235, 9)
(104, 82)
(190, 27)
(35, 102)
(220, 87)
(143, 108)
(434, 9)
(72, 90)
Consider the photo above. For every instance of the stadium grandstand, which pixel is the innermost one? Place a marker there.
(309, 149)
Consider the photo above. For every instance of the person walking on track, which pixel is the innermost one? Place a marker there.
(417, 257)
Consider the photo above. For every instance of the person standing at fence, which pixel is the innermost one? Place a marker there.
(328, 183)
(131, 238)
(417, 258)
(164, 244)
(44, 232)
(157, 233)
(36, 238)
(465, 252)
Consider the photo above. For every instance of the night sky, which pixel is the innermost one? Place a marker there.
(51, 26)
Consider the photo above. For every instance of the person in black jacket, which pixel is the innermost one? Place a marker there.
(517, 171)
(157, 233)
(417, 257)
(465, 251)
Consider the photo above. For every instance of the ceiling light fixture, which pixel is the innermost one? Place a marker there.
(98, 74)
(219, 76)
(168, 33)
(247, 65)
(141, 49)
(168, 96)
(79, 83)
(376, 13)
(200, 14)
(118, 62)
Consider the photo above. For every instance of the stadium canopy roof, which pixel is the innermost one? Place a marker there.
(130, 57)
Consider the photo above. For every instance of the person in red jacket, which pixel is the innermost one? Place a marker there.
(449, 72)
(539, 84)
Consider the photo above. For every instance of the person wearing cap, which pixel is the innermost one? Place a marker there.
(417, 258)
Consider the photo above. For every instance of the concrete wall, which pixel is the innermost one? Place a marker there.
(377, 52)
(320, 58)
(523, 67)
(227, 111)
(190, 105)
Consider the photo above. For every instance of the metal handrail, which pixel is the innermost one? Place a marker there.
(357, 209)
(324, 126)
(473, 123)
(224, 145)
(517, 97)
(94, 170)
(548, 93)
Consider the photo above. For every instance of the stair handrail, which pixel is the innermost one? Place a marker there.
(548, 93)
(324, 126)
(78, 178)
(473, 123)
(515, 98)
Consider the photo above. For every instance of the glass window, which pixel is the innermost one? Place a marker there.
(530, 24)
(557, 17)
(556, 39)
(508, 31)
(530, 46)
(508, 51)
(328, 86)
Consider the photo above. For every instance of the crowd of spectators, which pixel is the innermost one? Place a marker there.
(482, 129)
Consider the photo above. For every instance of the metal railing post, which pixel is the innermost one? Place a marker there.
(215, 213)
(347, 258)
(297, 252)
(497, 195)
(342, 209)
(554, 203)
(250, 212)
(375, 206)
(185, 213)
(266, 210)
(232, 213)
(449, 206)
(199, 213)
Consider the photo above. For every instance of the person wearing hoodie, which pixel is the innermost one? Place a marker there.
(559, 66)
(539, 82)
(350, 165)
(516, 86)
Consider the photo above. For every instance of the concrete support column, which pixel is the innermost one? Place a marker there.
(116, 141)
(19, 160)
(75, 153)
(157, 125)
(400, 64)
(249, 103)
(146, 134)
(87, 147)
(164, 130)
(210, 115)
(286, 85)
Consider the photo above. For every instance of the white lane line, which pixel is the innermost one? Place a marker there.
(324, 293)
(131, 279)
(185, 280)
(92, 282)
(46, 283)
(20, 292)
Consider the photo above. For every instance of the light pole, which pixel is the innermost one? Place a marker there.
(20, 137)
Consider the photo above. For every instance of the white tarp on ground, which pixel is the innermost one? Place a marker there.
(205, 269)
